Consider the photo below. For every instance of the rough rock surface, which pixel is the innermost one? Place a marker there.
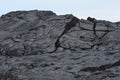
(40, 45)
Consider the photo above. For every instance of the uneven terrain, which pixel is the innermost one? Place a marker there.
(40, 45)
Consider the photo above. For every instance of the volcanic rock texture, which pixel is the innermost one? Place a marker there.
(40, 45)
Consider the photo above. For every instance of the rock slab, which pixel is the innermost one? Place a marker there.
(40, 45)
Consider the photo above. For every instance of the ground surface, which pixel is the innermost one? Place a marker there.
(40, 45)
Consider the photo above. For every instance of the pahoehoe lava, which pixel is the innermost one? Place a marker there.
(41, 45)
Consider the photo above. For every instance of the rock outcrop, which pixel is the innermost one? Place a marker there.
(40, 45)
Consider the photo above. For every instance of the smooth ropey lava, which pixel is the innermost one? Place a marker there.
(41, 45)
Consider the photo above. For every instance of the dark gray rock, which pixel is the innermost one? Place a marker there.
(40, 45)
